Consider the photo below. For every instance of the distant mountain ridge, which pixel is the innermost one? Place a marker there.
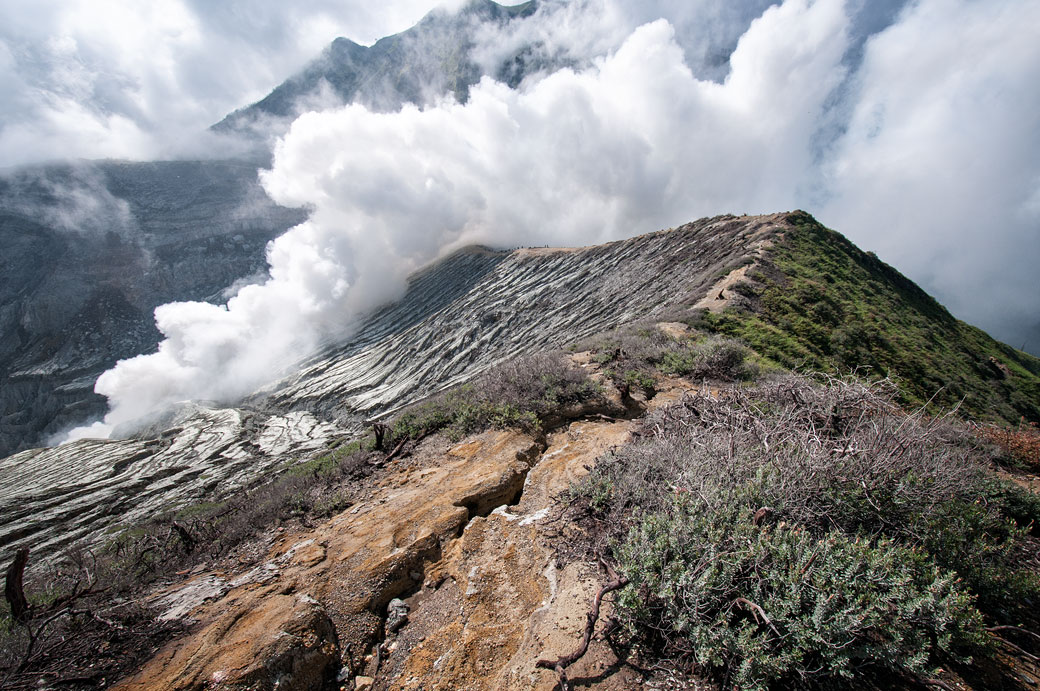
(418, 65)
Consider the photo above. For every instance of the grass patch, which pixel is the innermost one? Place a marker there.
(818, 302)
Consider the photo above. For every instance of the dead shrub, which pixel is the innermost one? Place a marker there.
(1019, 446)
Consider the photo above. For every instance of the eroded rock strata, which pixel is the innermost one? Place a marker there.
(442, 577)
(459, 317)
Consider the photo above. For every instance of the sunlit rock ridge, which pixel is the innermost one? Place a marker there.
(461, 315)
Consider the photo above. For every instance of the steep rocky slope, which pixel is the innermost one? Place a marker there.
(90, 249)
(460, 316)
(481, 306)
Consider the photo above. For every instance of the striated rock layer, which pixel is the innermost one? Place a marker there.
(459, 317)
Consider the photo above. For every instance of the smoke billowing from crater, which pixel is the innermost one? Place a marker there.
(918, 148)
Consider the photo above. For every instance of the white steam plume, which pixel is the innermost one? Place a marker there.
(72, 198)
(634, 142)
(924, 153)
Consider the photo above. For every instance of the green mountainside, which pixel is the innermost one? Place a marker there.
(817, 302)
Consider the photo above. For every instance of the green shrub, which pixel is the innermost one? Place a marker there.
(714, 357)
(638, 353)
(519, 393)
(330, 463)
(833, 467)
(757, 604)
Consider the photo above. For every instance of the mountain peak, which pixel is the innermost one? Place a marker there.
(415, 66)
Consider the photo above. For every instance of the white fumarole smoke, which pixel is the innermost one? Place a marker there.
(633, 143)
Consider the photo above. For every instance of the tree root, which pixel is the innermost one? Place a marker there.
(561, 664)
(13, 590)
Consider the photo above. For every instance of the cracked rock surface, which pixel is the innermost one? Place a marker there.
(354, 566)
(441, 577)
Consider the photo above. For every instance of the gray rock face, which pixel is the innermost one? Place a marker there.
(415, 66)
(459, 317)
(89, 251)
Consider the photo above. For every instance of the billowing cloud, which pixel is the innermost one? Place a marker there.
(907, 126)
(636, 141)
(937, 170)
(143, 80)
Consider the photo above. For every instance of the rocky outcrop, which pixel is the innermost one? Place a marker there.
(354, 565)
(497, 602)
(443, 576)
(286, 641)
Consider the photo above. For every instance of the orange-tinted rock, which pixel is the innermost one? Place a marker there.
(272, 641)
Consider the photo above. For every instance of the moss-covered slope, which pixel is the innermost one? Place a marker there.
(817, 301)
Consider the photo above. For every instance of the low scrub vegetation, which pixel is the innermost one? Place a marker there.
(521, 393)
(637, 355)
(1018, 446)
(795, 530)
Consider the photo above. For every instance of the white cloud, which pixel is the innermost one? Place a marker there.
(634, 142)
(911, 129)
(143, 80)
(938, 166)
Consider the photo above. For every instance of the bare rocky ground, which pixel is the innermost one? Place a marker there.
(461, 534)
